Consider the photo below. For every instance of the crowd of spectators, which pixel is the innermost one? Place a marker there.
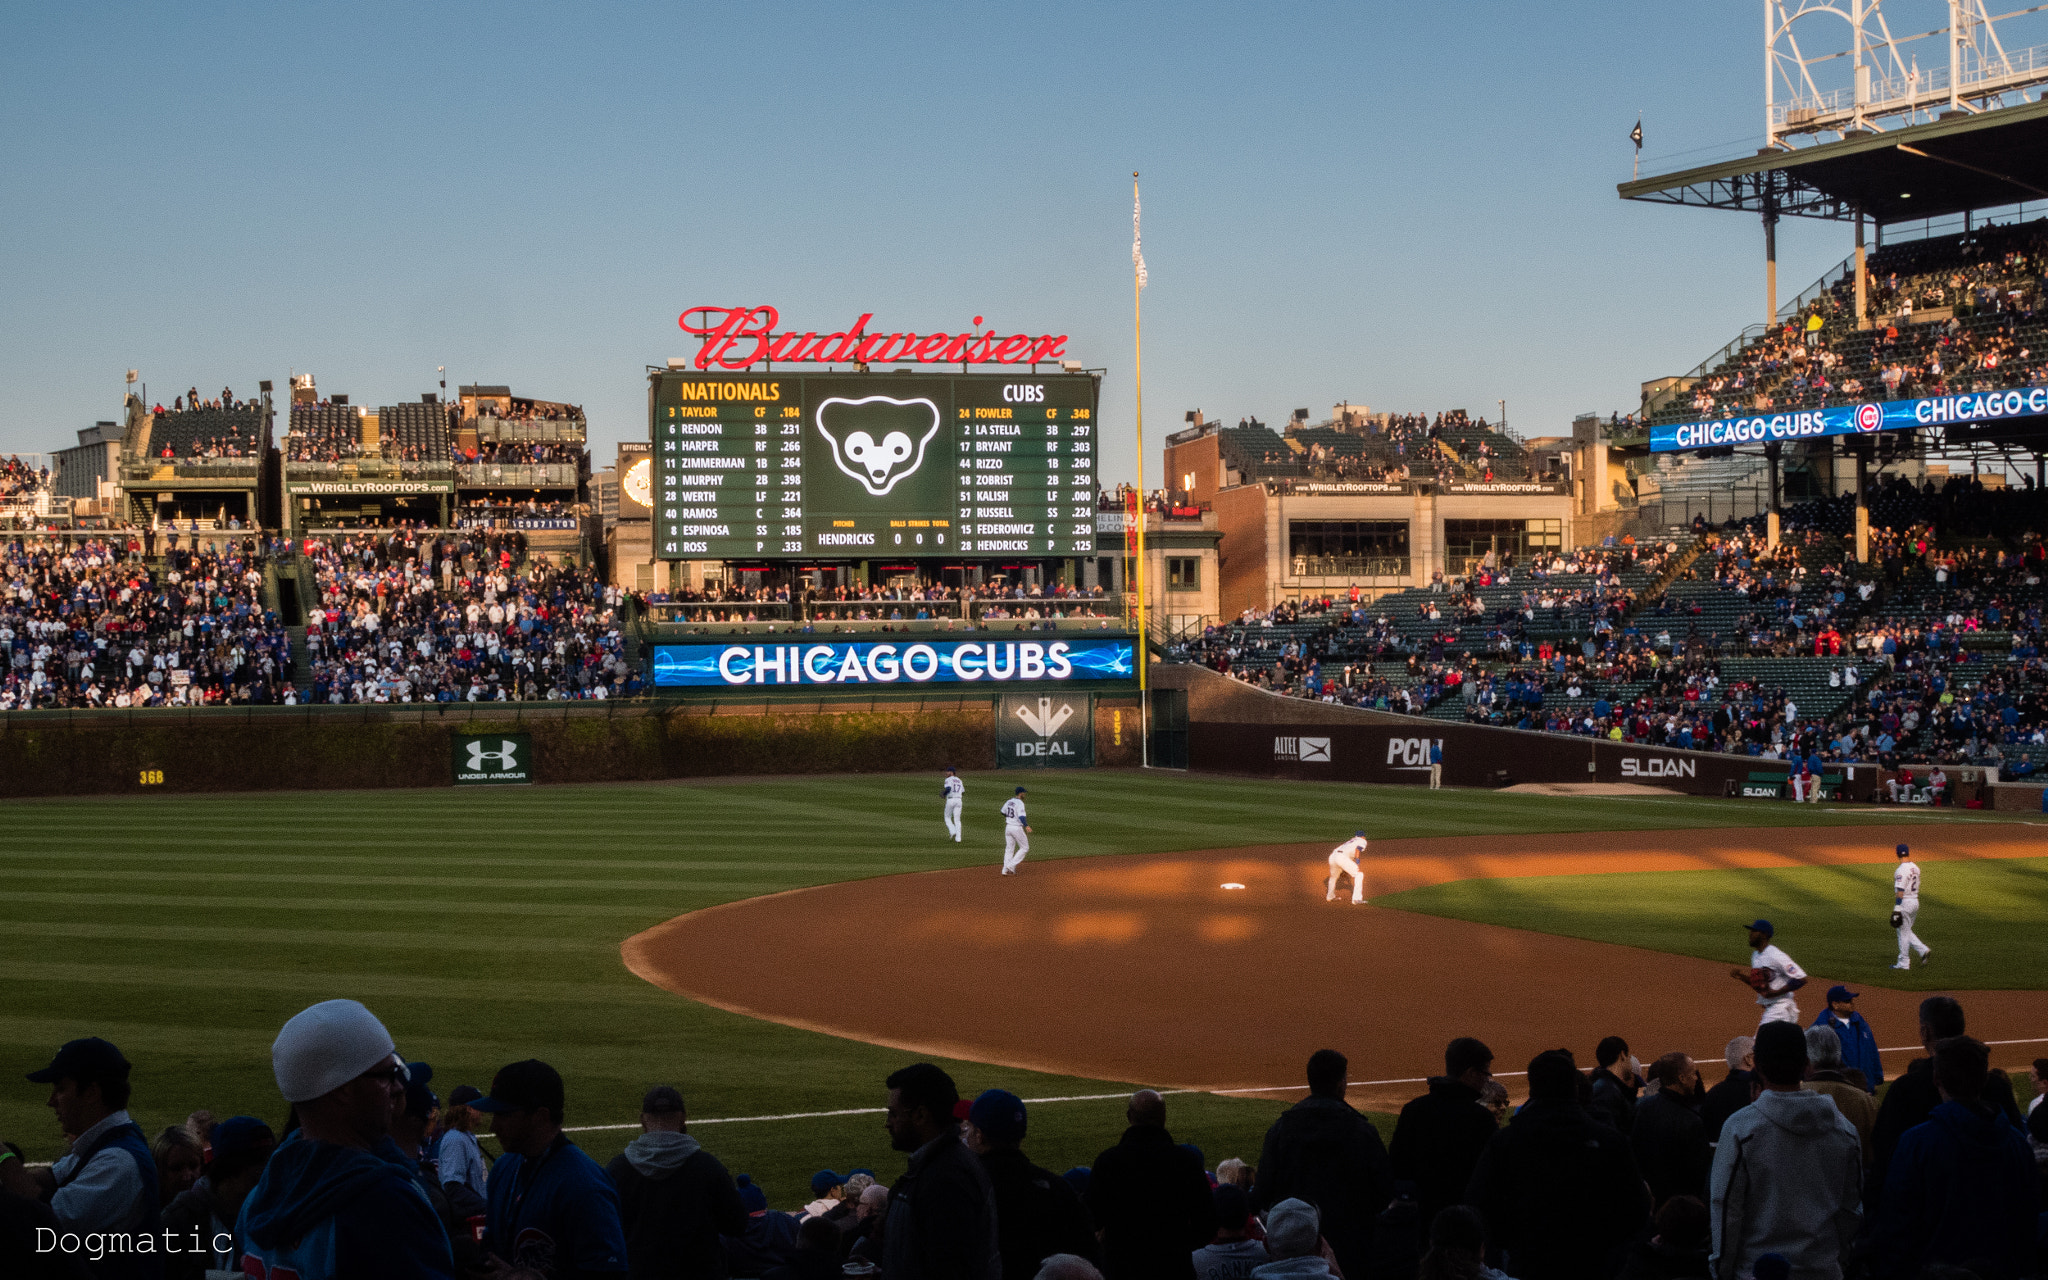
(1985, 289)
(516, 453)
(534, 411)
(1802, 1160)
(408, 617)
(19, 480)
(1930, 654)
(85, 624)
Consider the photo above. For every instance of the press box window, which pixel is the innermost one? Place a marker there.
(1183, 573)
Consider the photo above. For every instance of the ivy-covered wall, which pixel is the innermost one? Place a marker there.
(310, 750)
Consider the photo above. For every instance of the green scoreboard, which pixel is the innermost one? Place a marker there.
(752, 466)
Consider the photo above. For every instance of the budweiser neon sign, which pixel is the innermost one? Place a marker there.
(736, 337)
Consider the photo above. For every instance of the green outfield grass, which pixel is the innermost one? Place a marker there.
(1987, 921)
(483, 926)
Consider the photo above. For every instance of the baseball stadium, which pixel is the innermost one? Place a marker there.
(1652, 816)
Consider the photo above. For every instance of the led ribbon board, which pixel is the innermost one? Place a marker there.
(1850, 419)
(755, 465)
(682, 666)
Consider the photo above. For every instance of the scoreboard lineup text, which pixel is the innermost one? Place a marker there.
(755, 466)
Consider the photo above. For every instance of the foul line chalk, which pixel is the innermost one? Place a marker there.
(1110, 1097)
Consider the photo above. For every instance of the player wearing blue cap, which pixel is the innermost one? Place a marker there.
(1905, 908)
(1344, 861)
(1772, 974)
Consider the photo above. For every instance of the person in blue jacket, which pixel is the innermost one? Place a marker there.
(1961, 1188)
(1859, 1046)
(338, 1199)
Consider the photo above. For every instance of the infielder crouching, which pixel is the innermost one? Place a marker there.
(1344, 861)
(1016, 833)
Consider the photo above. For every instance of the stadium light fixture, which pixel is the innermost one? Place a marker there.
(678, 362)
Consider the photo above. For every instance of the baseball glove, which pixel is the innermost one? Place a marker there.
(1759, 980)
(1897, 919)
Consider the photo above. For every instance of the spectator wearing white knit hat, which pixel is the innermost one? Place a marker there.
(338, 1198)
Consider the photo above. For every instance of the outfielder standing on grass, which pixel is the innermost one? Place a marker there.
(1016, 833)
(1772, 974)
(1905, 907)
(955, 792)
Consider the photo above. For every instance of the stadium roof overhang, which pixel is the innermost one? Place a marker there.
(1962, 162)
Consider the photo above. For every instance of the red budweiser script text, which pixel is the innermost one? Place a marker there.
(735, 337)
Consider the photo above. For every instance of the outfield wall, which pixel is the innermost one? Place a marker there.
(327, 748)
(1235, 728)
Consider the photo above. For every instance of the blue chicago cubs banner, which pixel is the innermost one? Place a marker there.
(1850, 419)
(911, 662)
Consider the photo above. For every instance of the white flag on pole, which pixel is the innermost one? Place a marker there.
(1137, 253)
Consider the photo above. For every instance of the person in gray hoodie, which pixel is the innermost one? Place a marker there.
(1788, 1172)
(675, 1198)
(1294, 1236)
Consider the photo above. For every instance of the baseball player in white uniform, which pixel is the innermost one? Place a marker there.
(955, 792)
(1773, 975)
(1016, 833)
(1905, 906)
(1344, 861)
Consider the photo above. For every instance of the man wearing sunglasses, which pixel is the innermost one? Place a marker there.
(338, 1199)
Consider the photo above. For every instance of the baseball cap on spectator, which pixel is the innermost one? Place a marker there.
(1078, 1176)
(463, 1095)
(1000, 1116)
(85, 1060)
(1839, 992)
(238, 1142)
(1293, 1229)
(419, 1100)
(961, 1107)
(661, 1099)
(1233, 1206)
(1761, 926)
(522, 1086)
(824, 1180)
(324, 1046)
(755, 1199)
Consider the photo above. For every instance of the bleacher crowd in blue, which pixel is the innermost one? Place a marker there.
(395, 617)
(1929, 652)
(1803, 1161)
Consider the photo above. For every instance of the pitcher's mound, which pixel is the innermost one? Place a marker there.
(1588, 789)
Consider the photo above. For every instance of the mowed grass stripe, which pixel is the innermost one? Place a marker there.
(368, 985)
(288, 881)
(239, 936)
(623, 912)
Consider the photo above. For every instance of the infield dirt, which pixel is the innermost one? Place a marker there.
(1143, 968)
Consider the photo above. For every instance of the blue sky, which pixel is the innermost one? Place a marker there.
(1407, 206)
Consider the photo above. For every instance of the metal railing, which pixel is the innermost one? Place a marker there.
(1350, 566)
(537, 475)
(541, 430)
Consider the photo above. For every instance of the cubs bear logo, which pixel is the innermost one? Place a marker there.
(878, 440)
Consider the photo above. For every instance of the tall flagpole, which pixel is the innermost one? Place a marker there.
(1139, 650)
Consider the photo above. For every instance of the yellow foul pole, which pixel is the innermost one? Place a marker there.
(1139, 650)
